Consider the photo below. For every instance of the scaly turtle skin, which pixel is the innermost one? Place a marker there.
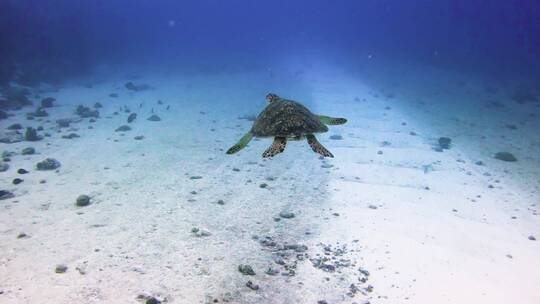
(283, 119)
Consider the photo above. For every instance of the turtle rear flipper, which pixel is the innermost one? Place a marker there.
(327, 120)
(317, 147)
(277, 147)
(240, 144)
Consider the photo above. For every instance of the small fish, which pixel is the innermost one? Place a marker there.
(168, 107)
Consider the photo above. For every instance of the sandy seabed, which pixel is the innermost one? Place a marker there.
(389, 220)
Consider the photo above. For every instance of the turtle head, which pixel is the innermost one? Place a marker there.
(271, 97)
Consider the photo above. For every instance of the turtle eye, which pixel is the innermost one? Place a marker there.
(270, 97)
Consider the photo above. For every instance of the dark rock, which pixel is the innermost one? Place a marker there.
(63, 122)
(123, 128)
(113, 95)
(532, 238)
(86, 112)
(154, 117)
(505, 156)
(71, 136)
(11, 137)
(524, 94)
(15, 98)
(22, 235)
(17, 181)
(15, 126)
(61, 268)
(28, 151)
(47, 102)
(31, 135)
(82, 201)
(4, 194)
(48, 164)
(444, 143)
(271, 271)
(200, 232)
(40, 112)
(152, 300)
(141, 87)
(195, 177)
(246, 269)
(131, 117)
(4, 167)
(98, 105)
(139, 137)
(336, 137)
(286, 215)
(22, 171)
(252, 286)
(263, 185)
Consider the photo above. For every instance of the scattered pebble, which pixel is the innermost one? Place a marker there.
(123, 128)
(28, 151)
(200, 232)
(131, 117)
(195, 177)
(17, 181)
(47, 102)
(4, 167)
(48, 164)
(505, 156)
(444, 143)
(154, 118)
(63, 122)
(252, 286)
(152, 300)
(286, 215)
(61, 268)
(263, 185)
(246, 269)
(336, 137)
(82, 200)
(5, 194)
(15, 126)
(31, 135)
(71, 136)
(139, 137)
(86, 112)
(532, 238)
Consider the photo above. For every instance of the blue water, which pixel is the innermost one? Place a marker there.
(116, 115)
(56, 39)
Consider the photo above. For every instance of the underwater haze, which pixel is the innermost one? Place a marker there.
(269, 151)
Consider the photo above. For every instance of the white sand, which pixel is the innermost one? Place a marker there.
(447, 243)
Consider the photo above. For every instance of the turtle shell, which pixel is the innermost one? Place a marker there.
(286, 118)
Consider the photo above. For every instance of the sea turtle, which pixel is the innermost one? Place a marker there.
(287, 119)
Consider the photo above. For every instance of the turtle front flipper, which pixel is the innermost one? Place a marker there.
(241, 144)
(327, 120)
(317, 147)
(277, 147)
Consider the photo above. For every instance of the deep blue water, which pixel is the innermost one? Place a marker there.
(49, 40)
